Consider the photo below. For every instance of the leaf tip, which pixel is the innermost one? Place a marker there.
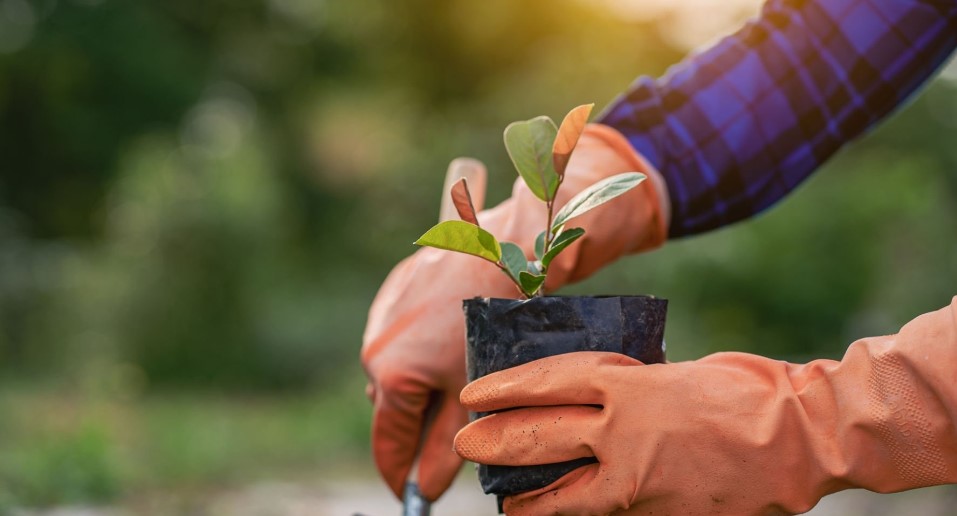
(462, 201)
(568, 135)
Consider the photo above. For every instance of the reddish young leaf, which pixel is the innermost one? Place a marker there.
(568, 135)
(463, 201)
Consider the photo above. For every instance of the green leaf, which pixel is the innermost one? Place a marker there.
(535, 267)
(561, 242)
(531, 282)
(514, 259)
(596, 195)
(462, 237)
(540, 245)
(529, 144)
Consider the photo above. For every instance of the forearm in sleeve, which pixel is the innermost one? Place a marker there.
(735, 128)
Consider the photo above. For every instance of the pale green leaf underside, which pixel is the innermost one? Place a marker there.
(531, 282)
(561, 242)
(514, 259)
(540, 245)
(529, 144)
(462, 237)
(596, 195)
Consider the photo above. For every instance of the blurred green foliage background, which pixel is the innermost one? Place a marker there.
(198, 201)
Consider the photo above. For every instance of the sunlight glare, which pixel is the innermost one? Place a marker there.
(687, 24)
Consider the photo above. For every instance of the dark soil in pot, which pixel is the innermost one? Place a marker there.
(504, 333)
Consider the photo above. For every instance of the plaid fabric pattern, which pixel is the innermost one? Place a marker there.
(736, 127)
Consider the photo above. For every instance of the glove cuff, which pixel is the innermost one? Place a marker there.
(656, 193)
(884, 418)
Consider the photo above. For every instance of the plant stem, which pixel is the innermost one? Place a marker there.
(509, 275)
(548, 227)
(548, 245)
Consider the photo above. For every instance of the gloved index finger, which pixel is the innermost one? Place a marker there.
(530, 436)
(568, 379)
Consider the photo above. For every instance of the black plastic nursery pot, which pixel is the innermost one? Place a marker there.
(504, 333)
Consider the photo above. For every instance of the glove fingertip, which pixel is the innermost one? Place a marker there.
(393, 449)
(435, 482)
(467, 445)
(394, 475)
(478, 395)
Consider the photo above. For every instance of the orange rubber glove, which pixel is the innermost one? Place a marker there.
(729, 434)
(414, 344)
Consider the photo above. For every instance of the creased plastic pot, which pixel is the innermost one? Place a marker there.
(504, 333)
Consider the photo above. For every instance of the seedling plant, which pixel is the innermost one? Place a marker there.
(540, 151)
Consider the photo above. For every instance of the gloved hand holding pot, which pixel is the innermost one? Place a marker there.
(731, 433)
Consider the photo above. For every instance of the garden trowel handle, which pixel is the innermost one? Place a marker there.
(474, 172)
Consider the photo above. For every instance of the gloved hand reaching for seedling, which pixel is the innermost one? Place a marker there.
(414, 344)
(732, 433)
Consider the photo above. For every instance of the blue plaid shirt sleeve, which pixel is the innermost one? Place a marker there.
(736, 127)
